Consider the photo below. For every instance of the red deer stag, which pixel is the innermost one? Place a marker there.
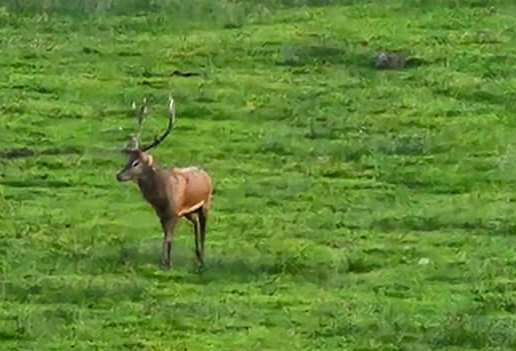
(172, 192)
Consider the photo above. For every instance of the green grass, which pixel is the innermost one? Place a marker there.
(355, 209)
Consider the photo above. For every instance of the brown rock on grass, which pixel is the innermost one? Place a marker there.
(391, 60)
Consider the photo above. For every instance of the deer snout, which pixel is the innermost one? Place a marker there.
(122, 176)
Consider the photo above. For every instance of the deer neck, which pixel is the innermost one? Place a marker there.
(152, 183)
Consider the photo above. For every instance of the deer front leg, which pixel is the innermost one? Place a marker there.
(168, 225)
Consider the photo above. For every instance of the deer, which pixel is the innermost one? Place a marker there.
(172, 192)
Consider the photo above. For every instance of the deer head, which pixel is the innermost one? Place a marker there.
(138, 160)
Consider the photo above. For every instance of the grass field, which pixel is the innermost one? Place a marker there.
(355, 209)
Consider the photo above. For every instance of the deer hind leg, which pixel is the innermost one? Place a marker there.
(168, 226)
(194, 217)
(203, 218)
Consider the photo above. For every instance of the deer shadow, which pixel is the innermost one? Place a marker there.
(145, 261)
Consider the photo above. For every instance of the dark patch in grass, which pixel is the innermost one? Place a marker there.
(65, 114)
(64, 150)
(362, 264)
(129, 54)
(157, 84)
(91, 292)
(88, 50)
(185, 74)
(134, 345)
(433, 186)
(232, 25)
(437, 223)
(235, 270)
(395, 289)
(5, 335)
(111, 112)
(37, 183)
(448, 277)
(22, 64)
(402, 145)
(148, 73)
(35, 88)
(33, 56)
(310, 54)
(196, 111)
(17, 292)
(408, 222)
(13, 109)
(319, 131)
(26, 152)
(17, 153)
(337, 173)
(414, 62)
(352, 151)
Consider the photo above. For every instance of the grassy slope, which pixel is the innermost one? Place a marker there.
(333, 182)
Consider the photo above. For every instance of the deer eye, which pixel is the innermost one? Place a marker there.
(135, 163)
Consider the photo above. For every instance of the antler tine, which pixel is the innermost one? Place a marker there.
(171, 120)
(135, 137)
(140, 114)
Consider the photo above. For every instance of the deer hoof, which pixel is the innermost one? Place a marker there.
(200, 267)
(166, 264)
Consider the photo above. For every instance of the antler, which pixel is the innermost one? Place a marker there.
(171, 120)
(140, 114)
